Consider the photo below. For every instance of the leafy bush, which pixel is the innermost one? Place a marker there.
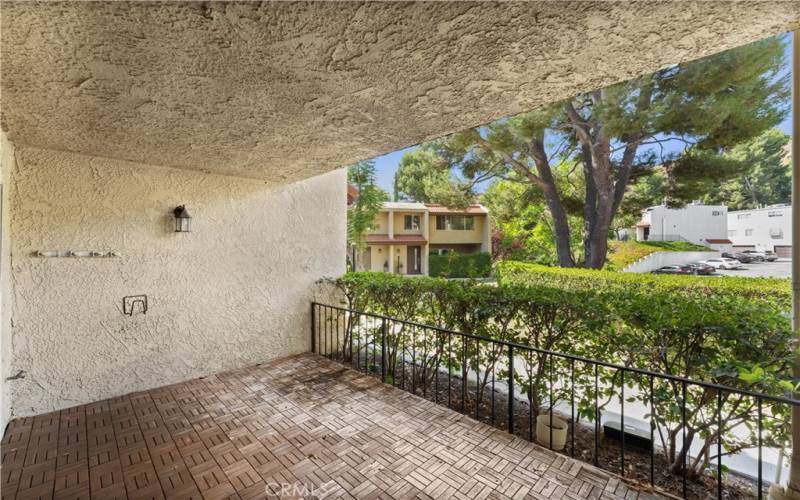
(733, 332)
(460, 265)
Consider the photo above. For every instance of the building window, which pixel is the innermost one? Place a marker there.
(748, 232)
(716, 213)
(776, 233)
(774, 213)
(731, 232)
(743, 216)
(455, 222)
(412, 222)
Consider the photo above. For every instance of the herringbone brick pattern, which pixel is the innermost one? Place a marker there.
(300, 426)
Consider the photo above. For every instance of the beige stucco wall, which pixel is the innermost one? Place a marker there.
(381, 225)
(477, 235)
(234, 292)
(378, 255)
(400, 222)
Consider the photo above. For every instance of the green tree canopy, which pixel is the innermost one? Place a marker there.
(426, 177)
(766, 180)
(361, 215)
(681, 118)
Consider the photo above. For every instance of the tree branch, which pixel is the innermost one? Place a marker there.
(515, 164)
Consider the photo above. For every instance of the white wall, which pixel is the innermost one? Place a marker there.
(767, 226)
(695, 223)
(234, 292)
(657, 260)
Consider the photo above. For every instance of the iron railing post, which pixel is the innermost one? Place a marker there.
(760, 457)
(464, 374)
(719, 444)
(313, 327)
(683, 437)
(622, 421)
(383, 350)
(510, 390)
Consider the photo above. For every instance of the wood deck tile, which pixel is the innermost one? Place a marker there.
(298, 426)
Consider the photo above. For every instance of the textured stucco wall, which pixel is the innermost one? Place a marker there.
(234, 292)
(446, 236)
(284, 91)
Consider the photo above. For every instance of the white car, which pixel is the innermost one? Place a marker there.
(723, 263)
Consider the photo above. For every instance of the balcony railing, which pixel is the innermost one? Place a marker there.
(457, 369)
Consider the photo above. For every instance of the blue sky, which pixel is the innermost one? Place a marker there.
(386, 165)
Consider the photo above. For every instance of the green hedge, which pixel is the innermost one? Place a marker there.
(706, 329)
(769, 292)
(460, 265)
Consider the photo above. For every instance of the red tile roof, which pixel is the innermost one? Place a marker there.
(399, 239)
(352, 194)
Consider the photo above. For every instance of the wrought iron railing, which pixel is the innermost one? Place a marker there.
(439, 364)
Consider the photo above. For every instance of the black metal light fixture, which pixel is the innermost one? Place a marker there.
(183, 221)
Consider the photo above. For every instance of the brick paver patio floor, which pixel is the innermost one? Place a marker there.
(299, 426)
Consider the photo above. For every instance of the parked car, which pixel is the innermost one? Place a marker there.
(723, 263)
(754, 255)
(740, 256)
(701, 268)
(674, 270)
(762, 255)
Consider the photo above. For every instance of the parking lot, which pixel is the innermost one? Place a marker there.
(781, 268)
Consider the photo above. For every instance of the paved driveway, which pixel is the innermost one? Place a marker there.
(781, 268)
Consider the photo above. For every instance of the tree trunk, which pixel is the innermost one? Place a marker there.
(596, 245)
(677, 463)
(560, 220)
(560, 227)
(590, 205)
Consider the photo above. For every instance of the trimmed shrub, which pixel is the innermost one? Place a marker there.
(770, 292)
(460, 265)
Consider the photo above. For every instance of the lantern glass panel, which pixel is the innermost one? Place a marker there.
(182, 224)
(183, 220)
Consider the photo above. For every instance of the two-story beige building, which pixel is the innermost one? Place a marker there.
(405, 234)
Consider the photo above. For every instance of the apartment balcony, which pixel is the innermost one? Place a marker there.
(298, 426)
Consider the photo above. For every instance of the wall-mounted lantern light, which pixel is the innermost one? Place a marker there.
(183, 220)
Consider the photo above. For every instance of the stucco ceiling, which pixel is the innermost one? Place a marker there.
(284, 91)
